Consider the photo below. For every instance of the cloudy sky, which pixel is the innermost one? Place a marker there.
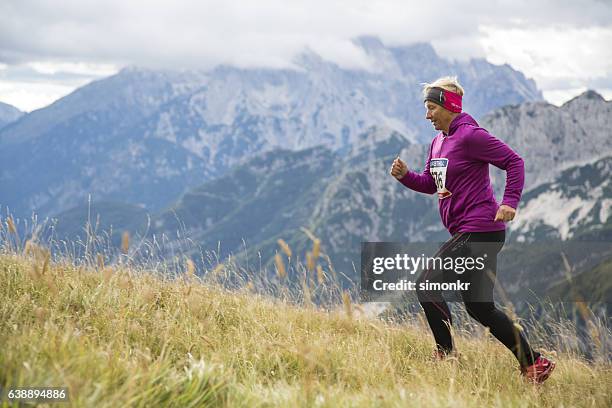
(49, 48)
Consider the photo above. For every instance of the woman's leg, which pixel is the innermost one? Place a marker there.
(433, 303)
(479, 297)
(504, 330)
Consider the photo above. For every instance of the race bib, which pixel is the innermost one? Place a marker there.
(437, 168)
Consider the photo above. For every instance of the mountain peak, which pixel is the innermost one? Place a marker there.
(369, 42)
(6, 106)
(377, 142)
(8, 114)
(308, 59)
(378, 133)
(416, 51)
(588, 95)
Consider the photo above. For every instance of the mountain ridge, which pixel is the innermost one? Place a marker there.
(9, 114)
(148, 136)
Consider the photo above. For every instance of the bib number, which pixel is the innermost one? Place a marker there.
(437, 169)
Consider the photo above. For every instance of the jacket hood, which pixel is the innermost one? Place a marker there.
(462, 119)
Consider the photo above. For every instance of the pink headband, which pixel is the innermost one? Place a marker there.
(447, 99)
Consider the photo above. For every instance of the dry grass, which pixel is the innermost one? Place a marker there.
(117, 337)
(119, 329)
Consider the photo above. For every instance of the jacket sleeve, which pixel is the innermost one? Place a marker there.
(424, 182)
(485, 147)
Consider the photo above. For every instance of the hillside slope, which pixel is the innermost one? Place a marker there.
(118, 338)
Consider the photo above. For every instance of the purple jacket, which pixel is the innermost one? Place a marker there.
(457, 168)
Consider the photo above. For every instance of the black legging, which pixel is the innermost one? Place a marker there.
(478, 298)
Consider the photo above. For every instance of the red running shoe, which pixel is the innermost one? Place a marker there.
(539, 371)
(439, 355)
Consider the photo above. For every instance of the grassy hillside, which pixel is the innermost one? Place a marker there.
(115, 337)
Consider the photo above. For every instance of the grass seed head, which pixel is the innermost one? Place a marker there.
(316, 248)
(11, 225)
(27, 248)
(320, 275)
(280, 266)
(284, 247)
(310, 262)
(218, 269)
(125, 242)
(190, 268)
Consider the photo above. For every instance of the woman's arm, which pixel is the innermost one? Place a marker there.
(424, 182)
(485, 147)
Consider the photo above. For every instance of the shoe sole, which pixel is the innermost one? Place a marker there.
(544, 376)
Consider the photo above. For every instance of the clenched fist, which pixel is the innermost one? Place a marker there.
(505, 213)
(398, 168)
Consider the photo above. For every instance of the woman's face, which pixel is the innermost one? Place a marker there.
(439, 117)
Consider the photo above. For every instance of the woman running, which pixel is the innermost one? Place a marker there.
(457, 169)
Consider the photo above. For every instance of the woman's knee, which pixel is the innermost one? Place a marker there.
(481, 311)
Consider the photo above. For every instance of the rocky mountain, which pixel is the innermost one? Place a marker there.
(552, 138)
(360, 202)
(145, 137)
(345, 200)
(90, 143)
(8, 114)
(348, 197)
(567, 153)
(246, 211)
(578, 200)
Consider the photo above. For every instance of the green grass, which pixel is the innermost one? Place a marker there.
(116, 337)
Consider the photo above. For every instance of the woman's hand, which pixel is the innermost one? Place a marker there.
(398, 168)
(505, 213)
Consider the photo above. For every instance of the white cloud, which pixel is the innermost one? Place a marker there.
(28, 96)
(606, 93)
(37, 84)
(564, 61)
(81, 68)
(552, 54)
(79, 36)
(196, 33)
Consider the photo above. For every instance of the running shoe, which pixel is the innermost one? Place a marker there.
(539, 371)
(439, 355)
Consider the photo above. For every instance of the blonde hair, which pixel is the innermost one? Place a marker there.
(450, 83)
